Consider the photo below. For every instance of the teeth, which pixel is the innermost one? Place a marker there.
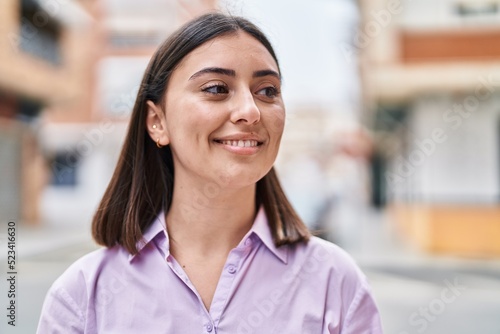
(240, 143)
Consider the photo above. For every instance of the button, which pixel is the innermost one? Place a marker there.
(231, 269)
(209, 328)
(249, 241)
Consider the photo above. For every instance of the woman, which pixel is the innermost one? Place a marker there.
(199, 235)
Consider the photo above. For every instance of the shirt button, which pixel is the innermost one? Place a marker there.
(248, 242)
(209, 328)
(231, 269)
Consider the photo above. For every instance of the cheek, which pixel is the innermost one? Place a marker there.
(276, 122)
(187, 121)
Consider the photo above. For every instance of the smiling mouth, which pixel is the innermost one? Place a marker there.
(240, 143)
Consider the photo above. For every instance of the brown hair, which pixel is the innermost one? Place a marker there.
(142, 183)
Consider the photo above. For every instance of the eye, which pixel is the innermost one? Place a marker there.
(270, 92)
(216, 89)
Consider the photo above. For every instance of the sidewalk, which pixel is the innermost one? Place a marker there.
(427, 293)
(34, 240)
(42, 254)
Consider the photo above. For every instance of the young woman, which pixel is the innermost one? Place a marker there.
(199, 235)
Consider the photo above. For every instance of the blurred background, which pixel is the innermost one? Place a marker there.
(391, 147)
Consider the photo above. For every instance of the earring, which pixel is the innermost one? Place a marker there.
(158, 143)
(154, 126)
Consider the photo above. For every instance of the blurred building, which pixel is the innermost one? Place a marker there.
(42, 60)
(83, 143)
(431, 75)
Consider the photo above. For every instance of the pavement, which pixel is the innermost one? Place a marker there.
(419, 292)
(42, 254)
(415, 292)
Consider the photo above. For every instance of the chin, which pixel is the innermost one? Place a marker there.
(243, 179)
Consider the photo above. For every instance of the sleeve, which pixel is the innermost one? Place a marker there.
(60, 314)
(362, 316)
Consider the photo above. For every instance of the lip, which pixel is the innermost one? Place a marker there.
(249, 150)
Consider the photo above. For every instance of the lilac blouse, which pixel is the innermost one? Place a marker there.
(310, 288)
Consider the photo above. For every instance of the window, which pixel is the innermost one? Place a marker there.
(476, 9)
(64, 167)
(40, 33)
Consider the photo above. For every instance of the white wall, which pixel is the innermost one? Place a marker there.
(97, 147)
(461, 164)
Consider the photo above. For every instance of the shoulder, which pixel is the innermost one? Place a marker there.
(329, 266)
(336, 275)
(67, 302)
(79, 279)
(91, 264)
(347, 283)
(328, 256)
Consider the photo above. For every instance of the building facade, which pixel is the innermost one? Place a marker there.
(40, 67)
(431, 75)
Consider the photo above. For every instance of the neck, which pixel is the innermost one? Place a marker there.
(209, 222)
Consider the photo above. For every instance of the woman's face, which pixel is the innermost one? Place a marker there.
(224, 114)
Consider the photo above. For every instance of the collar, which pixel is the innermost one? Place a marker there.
(156, 227)
(260, 229)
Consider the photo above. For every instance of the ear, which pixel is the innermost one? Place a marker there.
(156, 124)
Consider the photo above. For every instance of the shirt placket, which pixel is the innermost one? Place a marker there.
(224, 286)
(222, 293)
(208, 325)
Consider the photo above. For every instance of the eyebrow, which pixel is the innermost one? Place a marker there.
(217, 70)
(232, 73)
(264, 73)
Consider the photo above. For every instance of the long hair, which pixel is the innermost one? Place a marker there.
(142, 183)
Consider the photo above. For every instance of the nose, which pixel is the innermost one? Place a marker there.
(245, 110)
